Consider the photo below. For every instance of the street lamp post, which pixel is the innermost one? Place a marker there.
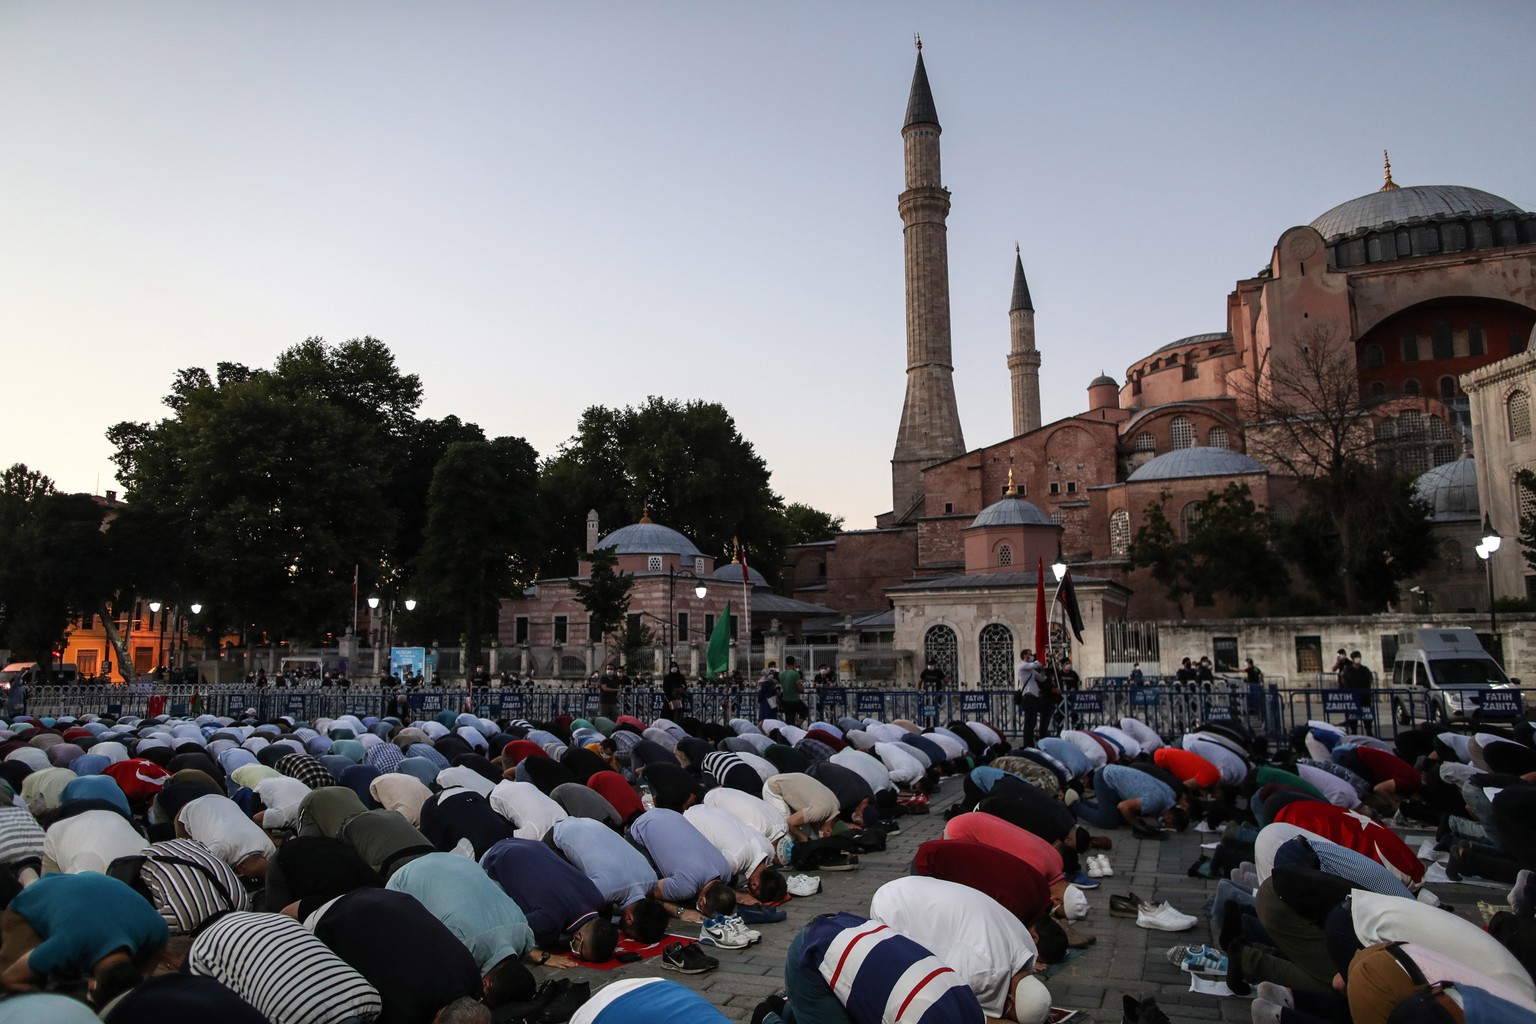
(1490, 543)
(700, 590)
(154, 608)
(389, 627)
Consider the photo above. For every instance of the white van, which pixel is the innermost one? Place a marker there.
(1452, 665)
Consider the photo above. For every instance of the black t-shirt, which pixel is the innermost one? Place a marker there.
(449, 817)
(411, 957)
(849, 785)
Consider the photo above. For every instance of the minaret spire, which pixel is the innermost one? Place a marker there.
(1023, 358)
(930, 416)
(1389, 185)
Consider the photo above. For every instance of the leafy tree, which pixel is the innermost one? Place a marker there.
(804, 524)
(605, 594)
(482, 539)
(685, 462)
(54, 563)
(633, 642)
(1157, 547)
(1228, 551)
(1525, 481)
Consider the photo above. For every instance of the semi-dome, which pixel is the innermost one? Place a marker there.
(648, 538)
(1193, 462)
(1450, 490)
(1406, 202)
(730, 572)
(1011, 511)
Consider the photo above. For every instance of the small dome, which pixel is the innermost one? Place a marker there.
(730, 572)
(649, 539)
(1104, 379)
(1011, 511)
(1192, 462)
(1450, 490)
(1407, 202)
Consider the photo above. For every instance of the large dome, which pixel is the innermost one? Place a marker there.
(1011, 511)
(1407, 202)
(1192, 462)
(1450, 490)
(649, 538)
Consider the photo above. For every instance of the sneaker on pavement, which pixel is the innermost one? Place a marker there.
(675, 958)
(848, 862)
(1106, 869)
(695, 953)
(735, 923)
(1092, 866)
(803, 885)
(1200, 959)
(716, 932)
(1163, 918)
(1082, 881)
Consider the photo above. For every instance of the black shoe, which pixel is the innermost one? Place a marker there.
(1124, 906)
(1194, 869)
(1145, 1011)
(1235, 980)
(529, 1010)
(694, 953)
(773, 1004)
(1454, 868)
(845, 863)
(675, 958)
(565, 1005)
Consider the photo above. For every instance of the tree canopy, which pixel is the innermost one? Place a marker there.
(1228, 550)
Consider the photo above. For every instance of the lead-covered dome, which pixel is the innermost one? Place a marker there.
(1408, 202)
(1450, 491)
(1192, 462)
(730, 572)
(648, 538)
(1011, 511)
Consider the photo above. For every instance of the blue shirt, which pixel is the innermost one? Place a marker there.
(551, 892)
(1154, 794)
(84, 917)
(469, 904)
(687, 861)
(620, 872)
(878, 974)
(656, 999)
(985, 777)
(1076, 761)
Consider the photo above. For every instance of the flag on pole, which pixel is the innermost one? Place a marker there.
(719, 657)
(1042, 630)
(741, 556)
(197, 702)
(1066, 594)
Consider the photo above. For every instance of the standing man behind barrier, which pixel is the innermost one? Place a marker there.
(1027, 695)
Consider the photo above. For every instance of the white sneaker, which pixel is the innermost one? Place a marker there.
(1091, 867)
(1161, 917)
(1106, 870)
(735, 923)
(803, 885)
(717, 931)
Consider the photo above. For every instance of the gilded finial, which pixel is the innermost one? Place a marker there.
(1389, 185)
(918, 39)
(645, 512)
(1011, 490)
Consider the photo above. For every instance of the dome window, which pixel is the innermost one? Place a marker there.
(1519, 406)
(1189, 520)
(1374, 359)
(1145, 442)
(1120, 532)
(1410, 347)
(1447, 388)
(1216, 437)
(1475, 344)
(653, 563)
(1181, 433)
(1378, 389)
(1411, 386)
(1004, 554)
(1441, 345)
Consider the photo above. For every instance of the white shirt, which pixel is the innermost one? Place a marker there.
(884, 732)
(461, 777)
(1233, 768)
(901, 762)
(1130, 744)
(281, 796)
(765, 768)
(89, 841)
(1336, 790)
(868, 768)
(988, 735)
(1142, 733)
(952, 745)
(531, 813)
(219, 824)
(743, 847)
(1380, 918)
(1270, 838)
(964, 927)
(754, 812)
(1088, 746)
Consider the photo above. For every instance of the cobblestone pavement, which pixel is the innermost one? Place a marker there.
(1125, 959)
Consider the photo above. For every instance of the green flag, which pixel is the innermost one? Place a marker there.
(719, 658)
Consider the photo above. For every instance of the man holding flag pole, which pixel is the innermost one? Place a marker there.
(1064, 601)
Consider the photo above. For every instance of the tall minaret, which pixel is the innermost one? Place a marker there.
(1023, 359)
(930, 419)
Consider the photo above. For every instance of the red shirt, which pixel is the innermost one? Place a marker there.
(518, 750)
(1008, 837)
(1020, 889)
(615, 788)
(1186, 765)
(1384, 765)
(1356, 831)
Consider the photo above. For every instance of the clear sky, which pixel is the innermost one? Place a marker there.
(546, 206)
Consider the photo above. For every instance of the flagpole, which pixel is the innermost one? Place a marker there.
(355, 568)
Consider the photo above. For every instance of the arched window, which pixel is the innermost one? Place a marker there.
(1447, 388)
(1519, 405)
(1450, 556)
(941, 648)
(1374, 360)
(1216, 437)
(1004, 554)
(1145, 442)
(1189, 518)
(1411, 386)
(1525, 501)
(1119, 532)
(1181, 433)
(1378, 389)
(995, 646)
(1442, 445)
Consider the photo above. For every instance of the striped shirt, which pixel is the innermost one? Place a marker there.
(21, 837)
(882, 977)
(274, 963)
(187, 895)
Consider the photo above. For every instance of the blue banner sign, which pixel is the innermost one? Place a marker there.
(1341, 702)
(115, 710)
(1219, 712)
(928, 712)
(975, 704)
(1086, 702)
(1499, 703)
(869, 703)
(1145, 697)
(235, 705)
(834, 695)
(297, 705)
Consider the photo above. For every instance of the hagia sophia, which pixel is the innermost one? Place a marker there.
(1425, 283)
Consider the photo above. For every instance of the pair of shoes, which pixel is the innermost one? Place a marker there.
(738, 925)
(1125, 906)
(803, 885)
(716, 931)
(848, 862)
(687, 958)
(1076, 939)
(1144, 1011)
(567, 998)
(1200, 959)
(1091, 867)
(1106, 870)
(1162, 917)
